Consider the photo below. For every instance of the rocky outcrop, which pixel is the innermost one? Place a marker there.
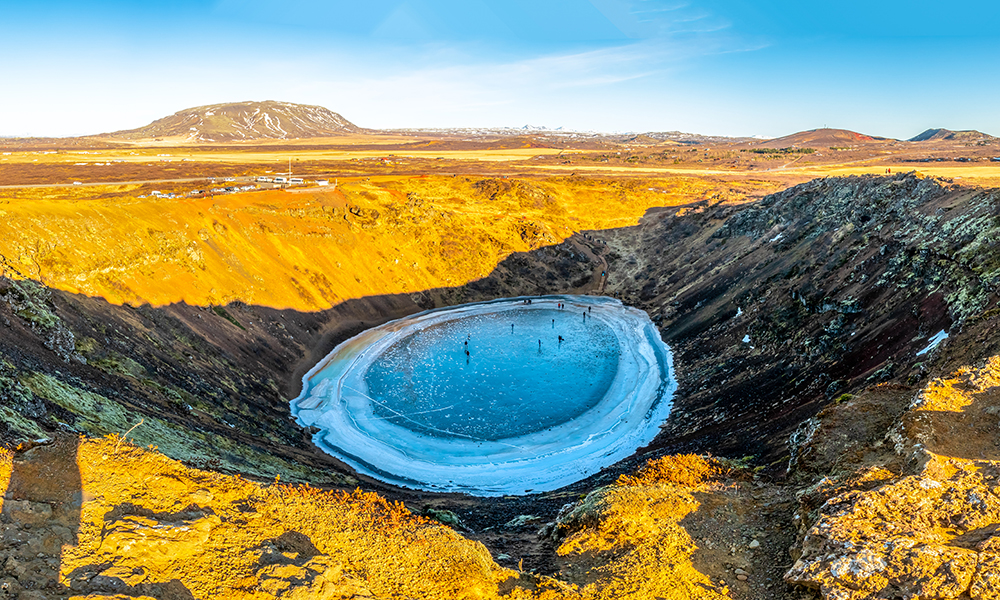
(32, 302)
(776, 308)
(931, 529)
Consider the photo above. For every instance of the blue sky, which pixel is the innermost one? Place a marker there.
(729, 67)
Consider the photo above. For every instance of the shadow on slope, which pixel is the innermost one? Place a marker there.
(41, 518)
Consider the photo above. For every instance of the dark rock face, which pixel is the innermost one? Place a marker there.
(32, 303)
(777, 307)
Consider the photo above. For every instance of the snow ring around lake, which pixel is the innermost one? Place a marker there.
(461, 399)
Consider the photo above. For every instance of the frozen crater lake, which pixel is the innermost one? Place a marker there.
(492, 398)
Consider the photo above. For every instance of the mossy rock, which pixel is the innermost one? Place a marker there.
(97, 415)
(120, 365)
(31, 304)
(19, 428)
(445, 517)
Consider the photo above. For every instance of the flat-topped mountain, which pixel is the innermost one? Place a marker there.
(822, 138)
(968, 135)
(239, 121)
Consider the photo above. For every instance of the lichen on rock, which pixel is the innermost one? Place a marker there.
(932, 532)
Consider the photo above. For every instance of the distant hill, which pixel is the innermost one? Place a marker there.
(680, 137)
(240, 121)
(821, 138)
(647, 140)
(968, 135)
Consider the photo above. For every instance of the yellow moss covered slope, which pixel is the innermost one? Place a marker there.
(311, 250)
(95, 517)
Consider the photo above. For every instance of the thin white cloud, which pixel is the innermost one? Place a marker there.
(650, 19)
(385, 82)
(507, 93)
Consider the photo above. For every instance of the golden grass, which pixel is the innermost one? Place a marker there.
(150, 519)
(690, 470)
(625, 170)
(982, 175)
(6, 464)
(310, 251)
(278, 156)
(62, 195)
(635, 541)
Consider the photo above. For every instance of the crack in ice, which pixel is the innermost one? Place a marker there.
(403, 416)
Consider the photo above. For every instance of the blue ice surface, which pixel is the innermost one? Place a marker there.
(513, 381)
(405, 432)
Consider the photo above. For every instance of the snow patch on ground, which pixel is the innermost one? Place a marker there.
(934, 341)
